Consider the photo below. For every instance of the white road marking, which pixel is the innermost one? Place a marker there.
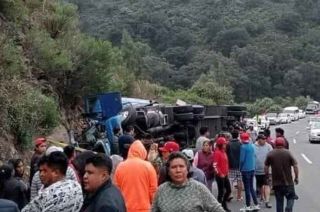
(297, 132)
(306, 158)
(294, 141)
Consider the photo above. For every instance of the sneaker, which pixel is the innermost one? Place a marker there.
(268, 205)
(255, 207)
(246, 208)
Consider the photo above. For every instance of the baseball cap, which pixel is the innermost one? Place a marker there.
(53, 149)
(221, 141)
(40, 141)
(280, 142)
(170, 146)
(244, 137)
(188, 153)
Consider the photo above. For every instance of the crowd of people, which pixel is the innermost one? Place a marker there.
(140, 176)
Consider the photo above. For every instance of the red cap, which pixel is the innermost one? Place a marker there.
(221, 141)
(280, 141)
(40, 141)
(170, 146)
(244, 137)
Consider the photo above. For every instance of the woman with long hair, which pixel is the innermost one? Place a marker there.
(204, 161)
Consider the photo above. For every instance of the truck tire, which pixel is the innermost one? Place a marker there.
(184, 117)
(131, 117)
(182, 109)
(198, 109)
(236, 113)
(142, 120)
(198, 117)
(236, 108)
(153, 119)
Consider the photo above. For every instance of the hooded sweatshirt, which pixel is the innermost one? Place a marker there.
(137, 179)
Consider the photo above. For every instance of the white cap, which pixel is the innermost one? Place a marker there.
(53, 149)
(189, 153)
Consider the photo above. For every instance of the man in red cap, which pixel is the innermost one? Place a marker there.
(39, 150)
(168, 147)
(281, 162)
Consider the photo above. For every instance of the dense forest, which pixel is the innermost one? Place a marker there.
(254, 48)
(208, 52)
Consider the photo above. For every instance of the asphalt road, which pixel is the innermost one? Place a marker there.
(308, 157)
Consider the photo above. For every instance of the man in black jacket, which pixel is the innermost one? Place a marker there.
(8, 206)
(233, 152)
(102, 195)
(11, 188)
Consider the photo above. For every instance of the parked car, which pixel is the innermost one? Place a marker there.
(313, 119)
(273, 118)
(302, 114)
(293, 111)
(314, 132)
(285, 118)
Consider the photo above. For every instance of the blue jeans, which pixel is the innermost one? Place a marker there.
(247, 178)
(280, 193)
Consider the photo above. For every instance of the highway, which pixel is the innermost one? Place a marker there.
(308, 157)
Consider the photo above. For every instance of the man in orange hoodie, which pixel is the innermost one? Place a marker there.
(137, 179)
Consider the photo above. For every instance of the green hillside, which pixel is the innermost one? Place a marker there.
(256, 48)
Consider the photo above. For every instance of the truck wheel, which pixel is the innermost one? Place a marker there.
(142, 120)
(184, 117)
(198, 117)
(182, 109)
(153, 119)
(236, 113)
(198, 109)
(131, 115)
(236, 108)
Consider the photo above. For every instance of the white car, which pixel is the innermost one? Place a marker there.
(293, 111)
(262, 121)
(302, 114)
(314, 133)
(285, 118)
(313, 119)
(273, 118)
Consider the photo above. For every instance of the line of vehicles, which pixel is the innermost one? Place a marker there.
(288, 115)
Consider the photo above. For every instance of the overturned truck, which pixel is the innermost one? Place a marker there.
(162, 122)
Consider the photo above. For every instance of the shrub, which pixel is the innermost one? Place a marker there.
(29, 112)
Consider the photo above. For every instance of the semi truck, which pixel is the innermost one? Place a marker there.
(162, 122)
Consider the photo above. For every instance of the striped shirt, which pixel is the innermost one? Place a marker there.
(36, 184)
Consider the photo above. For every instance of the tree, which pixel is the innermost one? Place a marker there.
(289, 23)
(227, 39)
(209, 89)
